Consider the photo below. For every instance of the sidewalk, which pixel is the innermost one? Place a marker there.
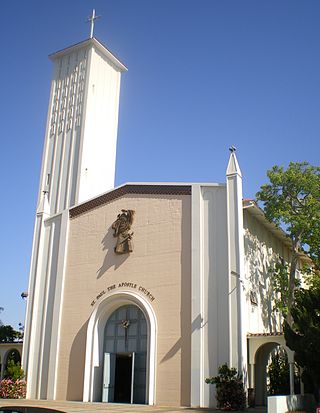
(49, 406)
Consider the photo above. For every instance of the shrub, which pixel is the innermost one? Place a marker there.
(14, 371)
(230, 393)
(12, 389)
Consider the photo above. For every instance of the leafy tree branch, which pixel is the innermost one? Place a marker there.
(291, 200)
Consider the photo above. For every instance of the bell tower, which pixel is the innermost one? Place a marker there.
(81, 136)
(78, 164)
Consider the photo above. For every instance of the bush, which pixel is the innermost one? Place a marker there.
(12, 389)
(230, 391)
(14, 371)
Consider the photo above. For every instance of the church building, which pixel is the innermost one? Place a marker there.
(138, 293)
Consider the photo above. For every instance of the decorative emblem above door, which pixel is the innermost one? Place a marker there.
(121, 228)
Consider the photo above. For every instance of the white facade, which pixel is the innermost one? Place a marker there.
(222, 258)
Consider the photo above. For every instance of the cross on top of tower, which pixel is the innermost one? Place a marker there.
(91, 19)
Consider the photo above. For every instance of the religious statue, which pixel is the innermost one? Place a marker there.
(121, 228)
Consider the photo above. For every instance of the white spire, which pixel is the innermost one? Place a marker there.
(236, 262)
(233, 166)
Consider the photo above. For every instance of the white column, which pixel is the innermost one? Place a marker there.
(290, 355)
(33, 322)
(238, 346)
(251, 383)
(209, 290)
(291, 370)
(197, 377)
(1, 364)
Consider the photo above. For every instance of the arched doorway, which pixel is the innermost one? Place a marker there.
(260, 346)
(125, 356)
(103, 345)
(8, 350)
(261, 362)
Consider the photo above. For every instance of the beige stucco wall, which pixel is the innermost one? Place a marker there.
(160, 263)
(262, 249)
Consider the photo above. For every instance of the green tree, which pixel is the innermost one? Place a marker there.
(303, 335)
(292, 201)
(9, 335)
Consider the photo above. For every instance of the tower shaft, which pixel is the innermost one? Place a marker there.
(78, 163)
(81, 136)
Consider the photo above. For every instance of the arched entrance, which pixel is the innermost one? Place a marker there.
(7, 351)
(261, 362)
(13, 355)
(121, 338)
(125, 356)
(260, 347)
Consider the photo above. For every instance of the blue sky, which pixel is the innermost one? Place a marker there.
(203, 75)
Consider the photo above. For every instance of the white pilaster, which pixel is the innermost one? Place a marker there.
(209, 305)
(34, 303)
(197, 374)
(237, 322)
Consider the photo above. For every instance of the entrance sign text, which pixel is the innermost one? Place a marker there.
(134, 286)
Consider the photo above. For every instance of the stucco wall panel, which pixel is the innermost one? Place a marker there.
(160, 263)
(262, 250)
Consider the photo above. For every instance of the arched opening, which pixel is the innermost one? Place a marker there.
(12, 355)
(125, 356)
(261, 362)
(121, 339)
(262, 359)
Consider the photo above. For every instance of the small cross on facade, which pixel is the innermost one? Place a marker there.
(91, 20)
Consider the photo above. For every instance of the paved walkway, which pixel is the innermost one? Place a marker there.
(42, 406)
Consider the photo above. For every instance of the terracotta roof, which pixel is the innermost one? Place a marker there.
(276, 333)
(129, 189)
